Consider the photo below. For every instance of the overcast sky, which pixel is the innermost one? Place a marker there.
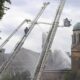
(28, 9)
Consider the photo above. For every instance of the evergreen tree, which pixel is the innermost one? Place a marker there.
(3, 7)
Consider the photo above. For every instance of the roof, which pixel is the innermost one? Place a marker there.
(28, 60)
(25, 60)
(76, 27)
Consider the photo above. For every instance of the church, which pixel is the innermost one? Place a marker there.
(76, 47)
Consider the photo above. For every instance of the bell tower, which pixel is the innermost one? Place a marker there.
(76, 47)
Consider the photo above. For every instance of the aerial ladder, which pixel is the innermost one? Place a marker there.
(19, 45)
(66, 24)
(46, 48)
(26, 20)
(3, 44)
(11, 35)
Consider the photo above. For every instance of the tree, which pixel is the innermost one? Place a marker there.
(3, 7)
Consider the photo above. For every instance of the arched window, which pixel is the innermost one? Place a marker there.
(79, 37)
(74, 38)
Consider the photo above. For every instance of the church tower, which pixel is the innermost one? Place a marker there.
(76, 47)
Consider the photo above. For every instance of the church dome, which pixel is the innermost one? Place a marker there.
(76, 27)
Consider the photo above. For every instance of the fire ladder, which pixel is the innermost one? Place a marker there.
(48, 43)
(19, 45)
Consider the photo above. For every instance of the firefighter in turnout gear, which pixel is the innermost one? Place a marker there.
(26, 30)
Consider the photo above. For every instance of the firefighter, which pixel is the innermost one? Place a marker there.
(26, 30)
(67, 23)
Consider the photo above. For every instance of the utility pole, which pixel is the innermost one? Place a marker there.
(18, 47)
(48, 43)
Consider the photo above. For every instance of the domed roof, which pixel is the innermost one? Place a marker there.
(76, 27)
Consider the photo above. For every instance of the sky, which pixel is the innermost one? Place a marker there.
(28, 9)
